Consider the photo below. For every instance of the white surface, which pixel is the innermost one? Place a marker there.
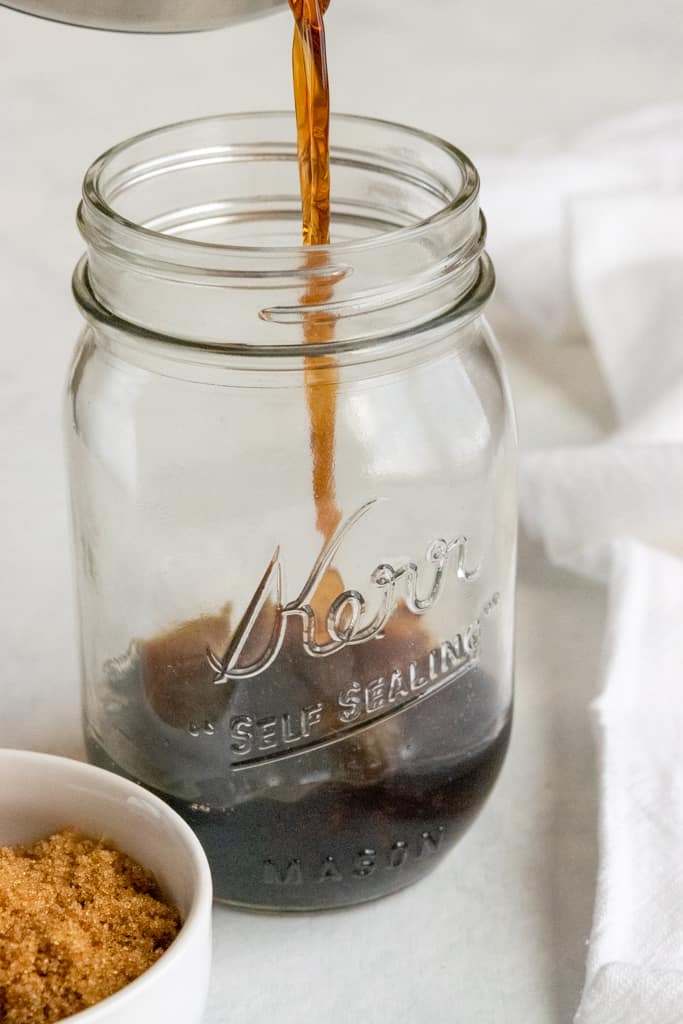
(515, 900)
(40, 792)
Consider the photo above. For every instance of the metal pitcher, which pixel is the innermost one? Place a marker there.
(148, 15)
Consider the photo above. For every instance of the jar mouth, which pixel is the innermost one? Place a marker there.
(193, 233)
(453, 181)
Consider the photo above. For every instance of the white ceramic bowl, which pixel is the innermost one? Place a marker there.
(41, 794)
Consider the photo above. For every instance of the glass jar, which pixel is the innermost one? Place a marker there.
(293, 489)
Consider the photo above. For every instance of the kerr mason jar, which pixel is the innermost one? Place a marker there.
(328, 709)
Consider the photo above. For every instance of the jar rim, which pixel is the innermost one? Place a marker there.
(158, 210)
(96, 209)
(466, 309)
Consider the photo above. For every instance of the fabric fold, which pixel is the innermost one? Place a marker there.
(602, 257)
(635, 965)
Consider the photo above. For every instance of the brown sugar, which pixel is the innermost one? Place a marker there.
(78, 921)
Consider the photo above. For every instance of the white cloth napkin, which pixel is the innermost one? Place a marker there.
(598, 250)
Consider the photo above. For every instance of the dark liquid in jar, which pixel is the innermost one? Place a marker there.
(336, 824)
(313, 842)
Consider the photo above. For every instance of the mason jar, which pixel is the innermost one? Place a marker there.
(293, 489)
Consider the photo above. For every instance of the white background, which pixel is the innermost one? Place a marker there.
(498, 933)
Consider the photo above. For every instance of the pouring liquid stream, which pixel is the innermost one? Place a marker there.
(312, 103)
